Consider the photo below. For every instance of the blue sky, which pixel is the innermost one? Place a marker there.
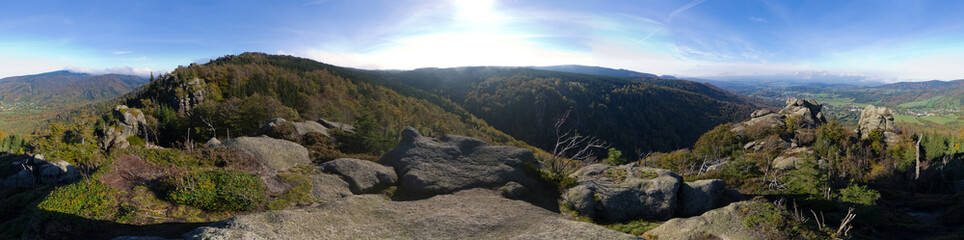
(873, 39)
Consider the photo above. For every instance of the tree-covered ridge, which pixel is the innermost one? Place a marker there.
(644, 109)
(243, 92)
(633, 116)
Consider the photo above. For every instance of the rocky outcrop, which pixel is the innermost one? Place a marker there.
(620, 193)
(344, 127)
(721, 223)
(469, 214)
(700, 196)
(182, 94)
(874, 118)
(273, 154)
(802, 113)
(362, 176)
(129, 122)
(805, 113)
(35, 170)
(428, 167)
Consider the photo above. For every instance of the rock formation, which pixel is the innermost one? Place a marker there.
(469, 214)
(129, 122)
(35, 170)
(803, 113)
(621, 193)
(428, 167)
(874, 118)
(806, 112)
(182, 94)
(624, 192)
(362, 176)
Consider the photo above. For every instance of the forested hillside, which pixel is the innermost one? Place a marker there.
(649, 114)
(25, 101)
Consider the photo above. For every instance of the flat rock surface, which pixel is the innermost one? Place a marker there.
(469, 214)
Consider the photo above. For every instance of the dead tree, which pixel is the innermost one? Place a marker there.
(917, 155)
(571, 148)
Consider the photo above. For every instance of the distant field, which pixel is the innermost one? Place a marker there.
(927, 103)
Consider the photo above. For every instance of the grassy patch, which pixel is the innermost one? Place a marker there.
(637, 227)
(300, 194)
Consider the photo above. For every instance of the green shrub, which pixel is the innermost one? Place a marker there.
(775, 222)
(615, 157)
(857, 194)
(167, 157)
(86, 198)
(136, 141)
(214, 190)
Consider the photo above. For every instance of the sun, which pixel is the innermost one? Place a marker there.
(475, 10)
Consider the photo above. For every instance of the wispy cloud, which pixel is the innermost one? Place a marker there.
(757, 19)
(122, 52)
(684, 8)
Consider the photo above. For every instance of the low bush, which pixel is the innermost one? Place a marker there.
(214, 190)
(86, 198)
(857, 194)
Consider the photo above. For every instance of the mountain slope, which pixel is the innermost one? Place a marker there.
(65, 86)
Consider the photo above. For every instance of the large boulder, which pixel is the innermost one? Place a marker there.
(790, 158)
(344, 127)
(329, 187)
(35, 170)
(306, 127)
(279, 127)
(273, 154)
(362, 176)
(620, 193)
(428, 167)
(469, 214)
(721, 223)
(697, 197)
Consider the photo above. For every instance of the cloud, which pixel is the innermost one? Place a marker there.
(126, 70)
(757, 19)
(121, 52)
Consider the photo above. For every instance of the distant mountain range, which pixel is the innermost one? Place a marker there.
(28, 101)
(67, 87)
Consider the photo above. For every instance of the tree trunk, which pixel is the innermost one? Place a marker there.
(917, 172)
